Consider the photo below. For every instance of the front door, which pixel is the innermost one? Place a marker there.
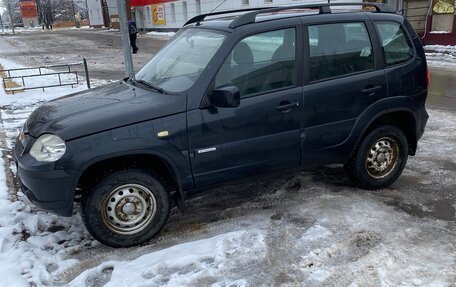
(262, 134)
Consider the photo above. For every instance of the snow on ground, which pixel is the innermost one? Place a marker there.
(439, 56)
(161, 34)
(32, 243)
(24, 30)
(312, 230)
(31, 82)
(330, 240)
(19, 30)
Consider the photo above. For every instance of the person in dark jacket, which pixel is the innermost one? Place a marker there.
(133, 31)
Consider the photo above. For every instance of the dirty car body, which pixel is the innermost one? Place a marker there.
(226, 99)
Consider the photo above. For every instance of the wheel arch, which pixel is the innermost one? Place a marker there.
(135, 159)
(403, 119)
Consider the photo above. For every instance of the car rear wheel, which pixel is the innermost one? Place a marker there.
(380, 158)
(126, 208)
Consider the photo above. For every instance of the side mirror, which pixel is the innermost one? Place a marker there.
(225, 97)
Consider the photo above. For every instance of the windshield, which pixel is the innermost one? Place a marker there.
(177, 66)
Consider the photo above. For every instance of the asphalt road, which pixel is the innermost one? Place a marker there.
(101, 48)
(442, 93)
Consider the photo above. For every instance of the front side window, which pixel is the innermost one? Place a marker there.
(396, 46)
(260, 63)
(177, 66)
(339, 49)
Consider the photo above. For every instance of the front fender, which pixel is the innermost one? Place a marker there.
(140, 138)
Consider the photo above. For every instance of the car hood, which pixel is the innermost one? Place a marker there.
(99, 109)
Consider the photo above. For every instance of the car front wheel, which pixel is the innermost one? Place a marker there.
(380, 158)
(126, 208)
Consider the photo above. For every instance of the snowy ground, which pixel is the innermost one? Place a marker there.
(308, 228)
(443, 57)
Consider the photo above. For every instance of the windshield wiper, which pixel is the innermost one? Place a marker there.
(145, 83)
(131, 79)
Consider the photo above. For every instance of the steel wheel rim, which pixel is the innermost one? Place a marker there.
(128, 209)
(382, 157)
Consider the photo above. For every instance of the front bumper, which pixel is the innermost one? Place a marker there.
(44, 186)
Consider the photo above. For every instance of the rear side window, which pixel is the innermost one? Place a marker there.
(260, 63)
(339, 49)
(396, 45)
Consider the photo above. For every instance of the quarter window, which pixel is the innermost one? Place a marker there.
(260, 63)
(339, 49)
(396, 46)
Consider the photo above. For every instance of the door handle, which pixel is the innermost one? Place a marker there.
(287, 106)
(371, 90)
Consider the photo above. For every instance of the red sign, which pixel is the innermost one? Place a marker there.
(148, 2)
(28, 9)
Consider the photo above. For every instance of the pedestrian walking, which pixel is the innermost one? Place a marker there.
(133, 31)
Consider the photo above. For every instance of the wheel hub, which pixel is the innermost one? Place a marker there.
(129, 209)
(382, 157)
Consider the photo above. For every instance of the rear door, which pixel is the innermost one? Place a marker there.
(262, 134)
(405, 68)
(344, 79)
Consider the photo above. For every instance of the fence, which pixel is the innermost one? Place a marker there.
(33, 78)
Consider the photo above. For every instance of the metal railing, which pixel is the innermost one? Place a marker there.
(66, 77)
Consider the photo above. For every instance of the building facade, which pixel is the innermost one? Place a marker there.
(95, 10)
(434, 20)
(171, 15)
(29, 13)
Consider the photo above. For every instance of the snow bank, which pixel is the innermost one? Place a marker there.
(440, 48)
(33, 244)
(439, 32)
(188, 264)
(33, 96)
(161, 34)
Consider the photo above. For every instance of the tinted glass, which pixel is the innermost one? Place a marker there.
(260, 63)
(396, 46)
(339, 49)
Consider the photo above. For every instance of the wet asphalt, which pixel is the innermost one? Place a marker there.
(442, 92)
(101, 48)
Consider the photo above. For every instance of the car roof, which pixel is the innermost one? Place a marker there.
(229, 20)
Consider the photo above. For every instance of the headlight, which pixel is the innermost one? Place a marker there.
(48, 148)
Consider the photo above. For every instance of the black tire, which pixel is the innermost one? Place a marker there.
(366, 168)
(126, 208)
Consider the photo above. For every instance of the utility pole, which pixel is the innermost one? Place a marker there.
(1, 22)
(10, 15)
(125, 38)
(73, 11)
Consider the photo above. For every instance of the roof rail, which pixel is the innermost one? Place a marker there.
(324, 8)
(201, 17)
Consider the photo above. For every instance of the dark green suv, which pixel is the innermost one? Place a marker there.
(229, 97)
